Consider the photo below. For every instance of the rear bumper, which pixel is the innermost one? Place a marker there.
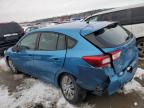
(100, 80)
(118, 81)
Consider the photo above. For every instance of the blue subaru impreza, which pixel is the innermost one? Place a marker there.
(77, 57)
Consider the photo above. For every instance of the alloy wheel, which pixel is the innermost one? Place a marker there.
(68, 87)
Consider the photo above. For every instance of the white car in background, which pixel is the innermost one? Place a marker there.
(131, 17)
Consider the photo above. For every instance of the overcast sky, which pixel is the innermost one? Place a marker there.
(28, 10)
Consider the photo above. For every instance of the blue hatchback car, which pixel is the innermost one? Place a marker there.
(77, 57)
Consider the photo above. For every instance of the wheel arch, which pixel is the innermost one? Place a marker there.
(58, 77)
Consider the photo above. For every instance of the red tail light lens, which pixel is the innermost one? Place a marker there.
(102, 60)
(116, 54)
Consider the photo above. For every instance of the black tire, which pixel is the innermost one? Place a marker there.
(140, 46)
(78, 94)
(12, 66)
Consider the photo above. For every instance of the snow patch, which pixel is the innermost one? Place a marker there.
(135, 86)
(135, 104)
(5, 99)
(34, 92)
(3, 65)
(140, 73)
(62, 103)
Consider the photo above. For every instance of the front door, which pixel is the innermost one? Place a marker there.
(23, 59)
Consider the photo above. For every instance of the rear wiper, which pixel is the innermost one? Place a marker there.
(112, 25)
(127, 38)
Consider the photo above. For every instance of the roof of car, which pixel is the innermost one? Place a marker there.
(74, 28)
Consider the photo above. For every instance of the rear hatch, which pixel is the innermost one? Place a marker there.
(113, 38)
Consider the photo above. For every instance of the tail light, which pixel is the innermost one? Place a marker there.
(102, 60)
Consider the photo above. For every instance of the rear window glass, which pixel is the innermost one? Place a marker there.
(108, 37)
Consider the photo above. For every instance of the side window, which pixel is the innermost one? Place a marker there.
(61, 45)
(48, 41)
(93, 19)
(121, 16)
(71, 42)
(137, 12)
(105, 17)
(28, 42)
(137, 15)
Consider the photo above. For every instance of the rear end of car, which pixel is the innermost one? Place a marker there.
(10, 33)
(117, 64)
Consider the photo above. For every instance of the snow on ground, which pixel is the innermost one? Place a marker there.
(135, 85)
(33, 92)
(140, 73)
(5, 99)
(3, 65)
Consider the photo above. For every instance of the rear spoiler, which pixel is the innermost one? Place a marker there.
(95, 26)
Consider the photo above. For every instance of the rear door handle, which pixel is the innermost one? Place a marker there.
(55, 59)
(30, 55)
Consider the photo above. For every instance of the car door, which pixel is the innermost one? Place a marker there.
(23, 58)
(50, 55)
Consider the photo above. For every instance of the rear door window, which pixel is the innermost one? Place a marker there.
(48, 41)
(108, 37)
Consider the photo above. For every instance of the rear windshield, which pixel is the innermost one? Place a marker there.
(9, 28)
(110, 36)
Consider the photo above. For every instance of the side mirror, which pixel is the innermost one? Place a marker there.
(16, 48)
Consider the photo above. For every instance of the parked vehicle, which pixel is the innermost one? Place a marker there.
(75, 18)
(131, 17)
(77, 57)
(29, 29)
(10, 33)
